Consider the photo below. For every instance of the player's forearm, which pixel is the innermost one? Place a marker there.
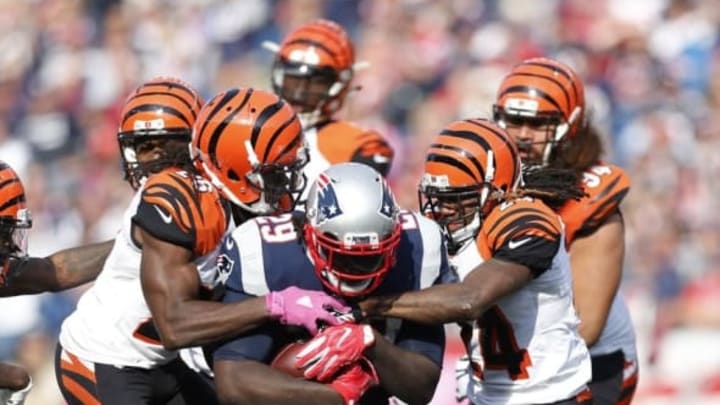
(435, 305)
(77, 266)
(13, 377)
(60, 271)
(197, 322)
(409, 376)
(248, 382)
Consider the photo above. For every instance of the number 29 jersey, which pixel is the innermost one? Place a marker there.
(529, 341)
(112, 323)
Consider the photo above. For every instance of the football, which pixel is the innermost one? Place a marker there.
(285, 359)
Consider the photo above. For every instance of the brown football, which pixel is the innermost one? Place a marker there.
(285, 359)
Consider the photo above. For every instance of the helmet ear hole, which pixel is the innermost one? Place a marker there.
(232, 175)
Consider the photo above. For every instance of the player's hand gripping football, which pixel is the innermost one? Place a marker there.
(332, 349)
(298, 307)
(352, 382)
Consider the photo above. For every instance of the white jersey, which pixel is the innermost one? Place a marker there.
(112, 323)
(530, 345)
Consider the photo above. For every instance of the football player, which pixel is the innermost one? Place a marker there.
(516, 285)
(352, 241)
(541, 104)
(119, 346)
(21, 274)
(313, 71)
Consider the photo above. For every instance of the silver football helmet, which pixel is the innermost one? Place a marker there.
(352, 229)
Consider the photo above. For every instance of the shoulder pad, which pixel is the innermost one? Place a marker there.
(605, 187)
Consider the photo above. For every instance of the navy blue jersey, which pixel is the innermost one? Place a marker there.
(266, 254)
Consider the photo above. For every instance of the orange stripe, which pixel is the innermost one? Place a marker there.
(79, 392)
(585, 396)
(76, 366)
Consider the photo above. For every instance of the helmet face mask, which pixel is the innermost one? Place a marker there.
(357, 266)
(15, 217)
(307, 88)
(543, 132)
(458, 211)
(13, 235)
(144, 154)
(280, 186)
(352, 230)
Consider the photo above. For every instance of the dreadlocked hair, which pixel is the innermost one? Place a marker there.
(581, 151)
(551, 185)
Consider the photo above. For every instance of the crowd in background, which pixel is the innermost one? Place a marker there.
(652, 75)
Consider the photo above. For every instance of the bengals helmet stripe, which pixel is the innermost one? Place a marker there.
(215, 135)
(11, 191)
(152, 107)
(265, 116)
(227, 96)
(544, 72)
(192, 94)
(293, 144)
(503, 138)
(537, 92)
(171, 97)
(554, 68)
(317, 44)
(553, 84)
(433, 157)
(326, 36)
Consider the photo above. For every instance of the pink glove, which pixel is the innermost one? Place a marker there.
(332, 349)
(353, 383)
(298, 307)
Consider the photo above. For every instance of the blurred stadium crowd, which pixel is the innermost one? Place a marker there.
(652, 74)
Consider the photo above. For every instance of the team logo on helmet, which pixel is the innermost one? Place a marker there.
(388, 203)
(327, 202)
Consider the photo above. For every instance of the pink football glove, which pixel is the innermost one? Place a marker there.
(298, 307)
(332, 349)
(353, 383)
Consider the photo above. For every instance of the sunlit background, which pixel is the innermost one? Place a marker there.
(652, 74)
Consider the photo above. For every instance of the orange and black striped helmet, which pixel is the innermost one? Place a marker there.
(15, 218)
(251, 145)
(466, 163)
(542, 91)
(313, 69)
(160, 110)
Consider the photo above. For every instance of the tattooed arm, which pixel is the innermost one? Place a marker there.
(60, 271)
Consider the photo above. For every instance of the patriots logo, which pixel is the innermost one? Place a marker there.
(224, 266)
(327, 202)
(387, 207)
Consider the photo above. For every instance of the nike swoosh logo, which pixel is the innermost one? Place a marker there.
(165, 217)
(515, 243)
